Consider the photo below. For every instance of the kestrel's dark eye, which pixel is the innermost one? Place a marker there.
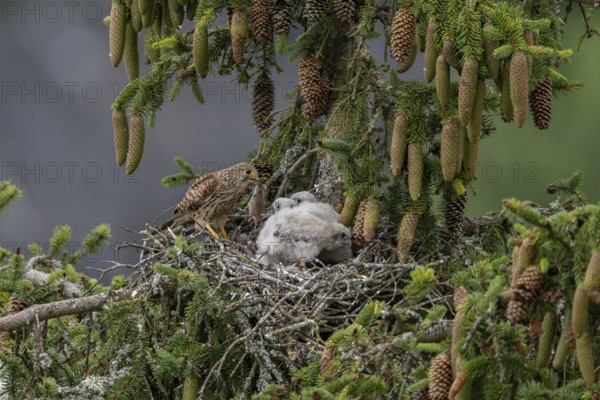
(248, 172)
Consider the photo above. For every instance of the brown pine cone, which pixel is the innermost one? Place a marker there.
(261, 20)
(540, 101)
(263, 102)
(314, 10)
(314, 87)
(282, 16)
(403, 38)
(527, 289)
(440, 377)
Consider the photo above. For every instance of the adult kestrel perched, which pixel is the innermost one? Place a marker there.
(211, 198)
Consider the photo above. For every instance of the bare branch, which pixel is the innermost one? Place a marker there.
(39, 278)
(82, 305)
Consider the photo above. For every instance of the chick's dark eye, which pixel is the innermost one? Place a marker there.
(343, 236)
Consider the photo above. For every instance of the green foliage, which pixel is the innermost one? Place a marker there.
(8, 194)
(186, 175)
(422, 282)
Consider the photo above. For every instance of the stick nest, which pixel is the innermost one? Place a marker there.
(283, 314)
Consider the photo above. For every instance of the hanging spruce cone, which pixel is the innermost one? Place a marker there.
(430, 51)
(191, 386)
(523, 256)
(422, 394)
(136, 16)
(442, 80)
(263, 102)
(403, 67)
(440, 377)
(261, 20)
(314, 10)
(489, 46)
(415, 170)
(146, 6)
(466, 90)
(460, 295)
(154, 17)
(349, 210)
(130, 55)
(16, 304)
(403, 44)
(345, 10)
(398, 146)
(371, 219)
(177, 12)
(406, 235)
(541, 104)
(116, 42)
(200, 51)
(136, 143)
(239, 33)
(190, 10)
(282, 17)
(167, 26)
(450, 55)
(451, 148)
(519, 87)
(121, 135)
(359, 222)
(454, 211)
(506, 103)
(313, 87)
(528, 287)
(476, 122)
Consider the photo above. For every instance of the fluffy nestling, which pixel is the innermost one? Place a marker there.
(282, 203)
(293, 235)
(304, 197)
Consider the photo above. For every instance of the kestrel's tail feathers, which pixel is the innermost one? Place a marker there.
(178, 219)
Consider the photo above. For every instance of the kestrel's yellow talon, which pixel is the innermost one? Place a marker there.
(224, 234)
(212, 231)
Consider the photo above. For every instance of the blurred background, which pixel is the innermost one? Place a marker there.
(57, 85)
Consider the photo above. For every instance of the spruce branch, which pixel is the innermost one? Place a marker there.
(8, 194)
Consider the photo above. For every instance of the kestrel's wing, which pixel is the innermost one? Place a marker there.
(201, 191)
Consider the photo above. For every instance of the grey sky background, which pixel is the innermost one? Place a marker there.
(56, 142)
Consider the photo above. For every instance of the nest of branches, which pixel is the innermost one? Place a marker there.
(283, 314)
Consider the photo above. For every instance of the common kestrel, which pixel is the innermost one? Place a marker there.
(211, 198)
